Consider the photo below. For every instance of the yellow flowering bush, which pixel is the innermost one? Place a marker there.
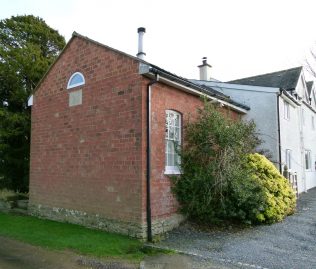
(279, 197)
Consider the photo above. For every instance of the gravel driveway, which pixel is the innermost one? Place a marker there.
(290, 244)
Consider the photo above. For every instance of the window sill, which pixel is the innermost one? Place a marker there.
(172, 171)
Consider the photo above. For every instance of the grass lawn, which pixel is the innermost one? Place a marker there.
(62, 236)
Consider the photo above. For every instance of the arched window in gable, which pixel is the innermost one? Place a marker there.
(77, 79)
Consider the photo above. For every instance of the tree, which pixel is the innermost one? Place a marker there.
(310, 63)
(28, 46)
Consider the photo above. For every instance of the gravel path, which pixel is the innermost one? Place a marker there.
(290, 244)
(177, 261)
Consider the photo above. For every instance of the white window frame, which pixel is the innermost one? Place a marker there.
(308, 160)
(288, 158)
(174, 169)
(286, 110)
(70, 86)
(313, 123)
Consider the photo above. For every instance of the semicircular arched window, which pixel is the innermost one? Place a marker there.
(76, 80)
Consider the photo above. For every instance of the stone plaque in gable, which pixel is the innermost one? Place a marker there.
(75, 98)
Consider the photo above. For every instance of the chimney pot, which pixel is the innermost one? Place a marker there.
(141, 54)
(141, 29)
(205, 70)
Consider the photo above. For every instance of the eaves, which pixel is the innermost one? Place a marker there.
(309, 106)
(189, 87)
(289, 98)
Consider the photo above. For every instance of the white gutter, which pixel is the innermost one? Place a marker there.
(195, 92)
(309, 106)
(289, 100)
(198, 93)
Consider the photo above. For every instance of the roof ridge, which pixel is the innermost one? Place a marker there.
(265, 74)
(76, 34)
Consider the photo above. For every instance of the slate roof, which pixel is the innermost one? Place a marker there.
(285, 79)
(309, 85)
(187, 82)
(201, 88)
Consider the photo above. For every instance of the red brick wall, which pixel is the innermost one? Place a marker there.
(163, 98)
(89, 157)
(92, 157)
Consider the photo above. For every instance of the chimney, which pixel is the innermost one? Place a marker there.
(141, 54)
(205, 70)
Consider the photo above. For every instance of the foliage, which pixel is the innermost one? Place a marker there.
(28, 46)
(65, 236)
(10, 195)
(279, 198)
(217, 181)
(212, 159)
(6, 194)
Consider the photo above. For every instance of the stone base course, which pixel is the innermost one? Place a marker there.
(164, 225)
(96, 221)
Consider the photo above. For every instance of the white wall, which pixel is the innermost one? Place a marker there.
(309, 137)
(263, 110)
(290, 139)
(301, 87)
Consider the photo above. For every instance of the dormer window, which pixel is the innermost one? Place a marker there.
(77, 79)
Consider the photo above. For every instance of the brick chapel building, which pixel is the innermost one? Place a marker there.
(104, 126)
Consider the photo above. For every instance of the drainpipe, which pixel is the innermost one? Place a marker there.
(148, 157)
(279, 132)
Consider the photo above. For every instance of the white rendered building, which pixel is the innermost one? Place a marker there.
(283, 106)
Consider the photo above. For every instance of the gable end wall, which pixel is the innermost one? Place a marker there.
(86, 160)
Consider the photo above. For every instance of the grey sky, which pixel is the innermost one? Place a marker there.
(240, 38)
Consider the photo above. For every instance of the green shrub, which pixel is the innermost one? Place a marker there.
(221, 178)
(212, 162)
(278, 196)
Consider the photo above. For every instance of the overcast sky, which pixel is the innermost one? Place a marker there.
(240, 38)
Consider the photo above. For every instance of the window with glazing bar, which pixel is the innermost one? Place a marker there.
(173, 142)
